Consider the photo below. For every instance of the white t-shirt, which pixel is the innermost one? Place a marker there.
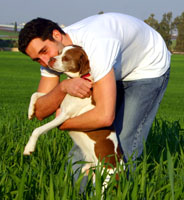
(127, 44)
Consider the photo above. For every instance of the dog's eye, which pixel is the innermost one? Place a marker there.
(65, 59)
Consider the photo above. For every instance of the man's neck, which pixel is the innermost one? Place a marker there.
(66, 40)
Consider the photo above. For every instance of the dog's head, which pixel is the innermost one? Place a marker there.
(72, 61)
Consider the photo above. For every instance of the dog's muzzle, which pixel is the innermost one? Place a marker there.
(51, 62)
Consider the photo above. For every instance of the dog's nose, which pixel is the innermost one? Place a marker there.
(51, 62)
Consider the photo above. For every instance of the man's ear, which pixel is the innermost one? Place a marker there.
(57, 35)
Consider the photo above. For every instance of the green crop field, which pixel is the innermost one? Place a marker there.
(171, 107)
(47, 174)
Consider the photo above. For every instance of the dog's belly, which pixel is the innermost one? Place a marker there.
(74, 106)
(97, 145)
(86, 144)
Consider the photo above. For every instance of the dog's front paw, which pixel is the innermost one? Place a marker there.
(31, 110)
(27, 152)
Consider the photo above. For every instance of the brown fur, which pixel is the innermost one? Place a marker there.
(104, 147)
(77, 60)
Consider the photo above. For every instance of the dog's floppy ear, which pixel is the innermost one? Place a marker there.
(83, 63)
(77, 60)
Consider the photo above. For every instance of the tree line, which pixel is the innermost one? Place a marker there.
(168, 28)
(8, 43)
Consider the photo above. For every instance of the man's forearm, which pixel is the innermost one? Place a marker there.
(90, 120)
(48, 104)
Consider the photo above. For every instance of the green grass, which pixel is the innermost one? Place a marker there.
(47, 174)
(171, 107)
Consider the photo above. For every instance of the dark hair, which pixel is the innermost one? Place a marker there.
(37, 28)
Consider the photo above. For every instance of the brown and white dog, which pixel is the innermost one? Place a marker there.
(95, 145)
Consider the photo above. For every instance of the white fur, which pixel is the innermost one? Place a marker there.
(33, 100)
(59, 65)
(69, 110)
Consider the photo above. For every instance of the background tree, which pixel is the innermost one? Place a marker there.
(152, 22)
(101, 12)
(15, 27)
(178, 24)
(165, 28)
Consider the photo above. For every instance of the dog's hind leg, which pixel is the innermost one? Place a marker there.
(30, 146)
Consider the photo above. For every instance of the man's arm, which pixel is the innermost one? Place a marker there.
(104, 92)
(55, 93)
(43, 106)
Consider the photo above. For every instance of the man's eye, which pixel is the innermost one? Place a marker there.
(44, 51)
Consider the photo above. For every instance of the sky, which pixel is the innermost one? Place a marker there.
(70, 11)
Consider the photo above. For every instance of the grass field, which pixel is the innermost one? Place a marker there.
(47, 174)
(171, 107)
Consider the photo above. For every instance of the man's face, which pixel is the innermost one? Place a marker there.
(41, 51)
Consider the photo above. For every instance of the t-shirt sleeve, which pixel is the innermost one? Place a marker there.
(48, 72)
(103, 54)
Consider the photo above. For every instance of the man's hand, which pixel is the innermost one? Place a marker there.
(77, 87)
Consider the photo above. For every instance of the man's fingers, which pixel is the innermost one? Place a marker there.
(78, 87)
(84, 93)
(85, 89)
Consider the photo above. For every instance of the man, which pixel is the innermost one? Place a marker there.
(120, 48)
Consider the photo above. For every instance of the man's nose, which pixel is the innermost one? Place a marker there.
(45, 60)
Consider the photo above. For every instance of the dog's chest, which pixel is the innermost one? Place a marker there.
(74, 106)
(86, 144)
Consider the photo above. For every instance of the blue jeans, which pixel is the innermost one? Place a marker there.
(137, 104)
